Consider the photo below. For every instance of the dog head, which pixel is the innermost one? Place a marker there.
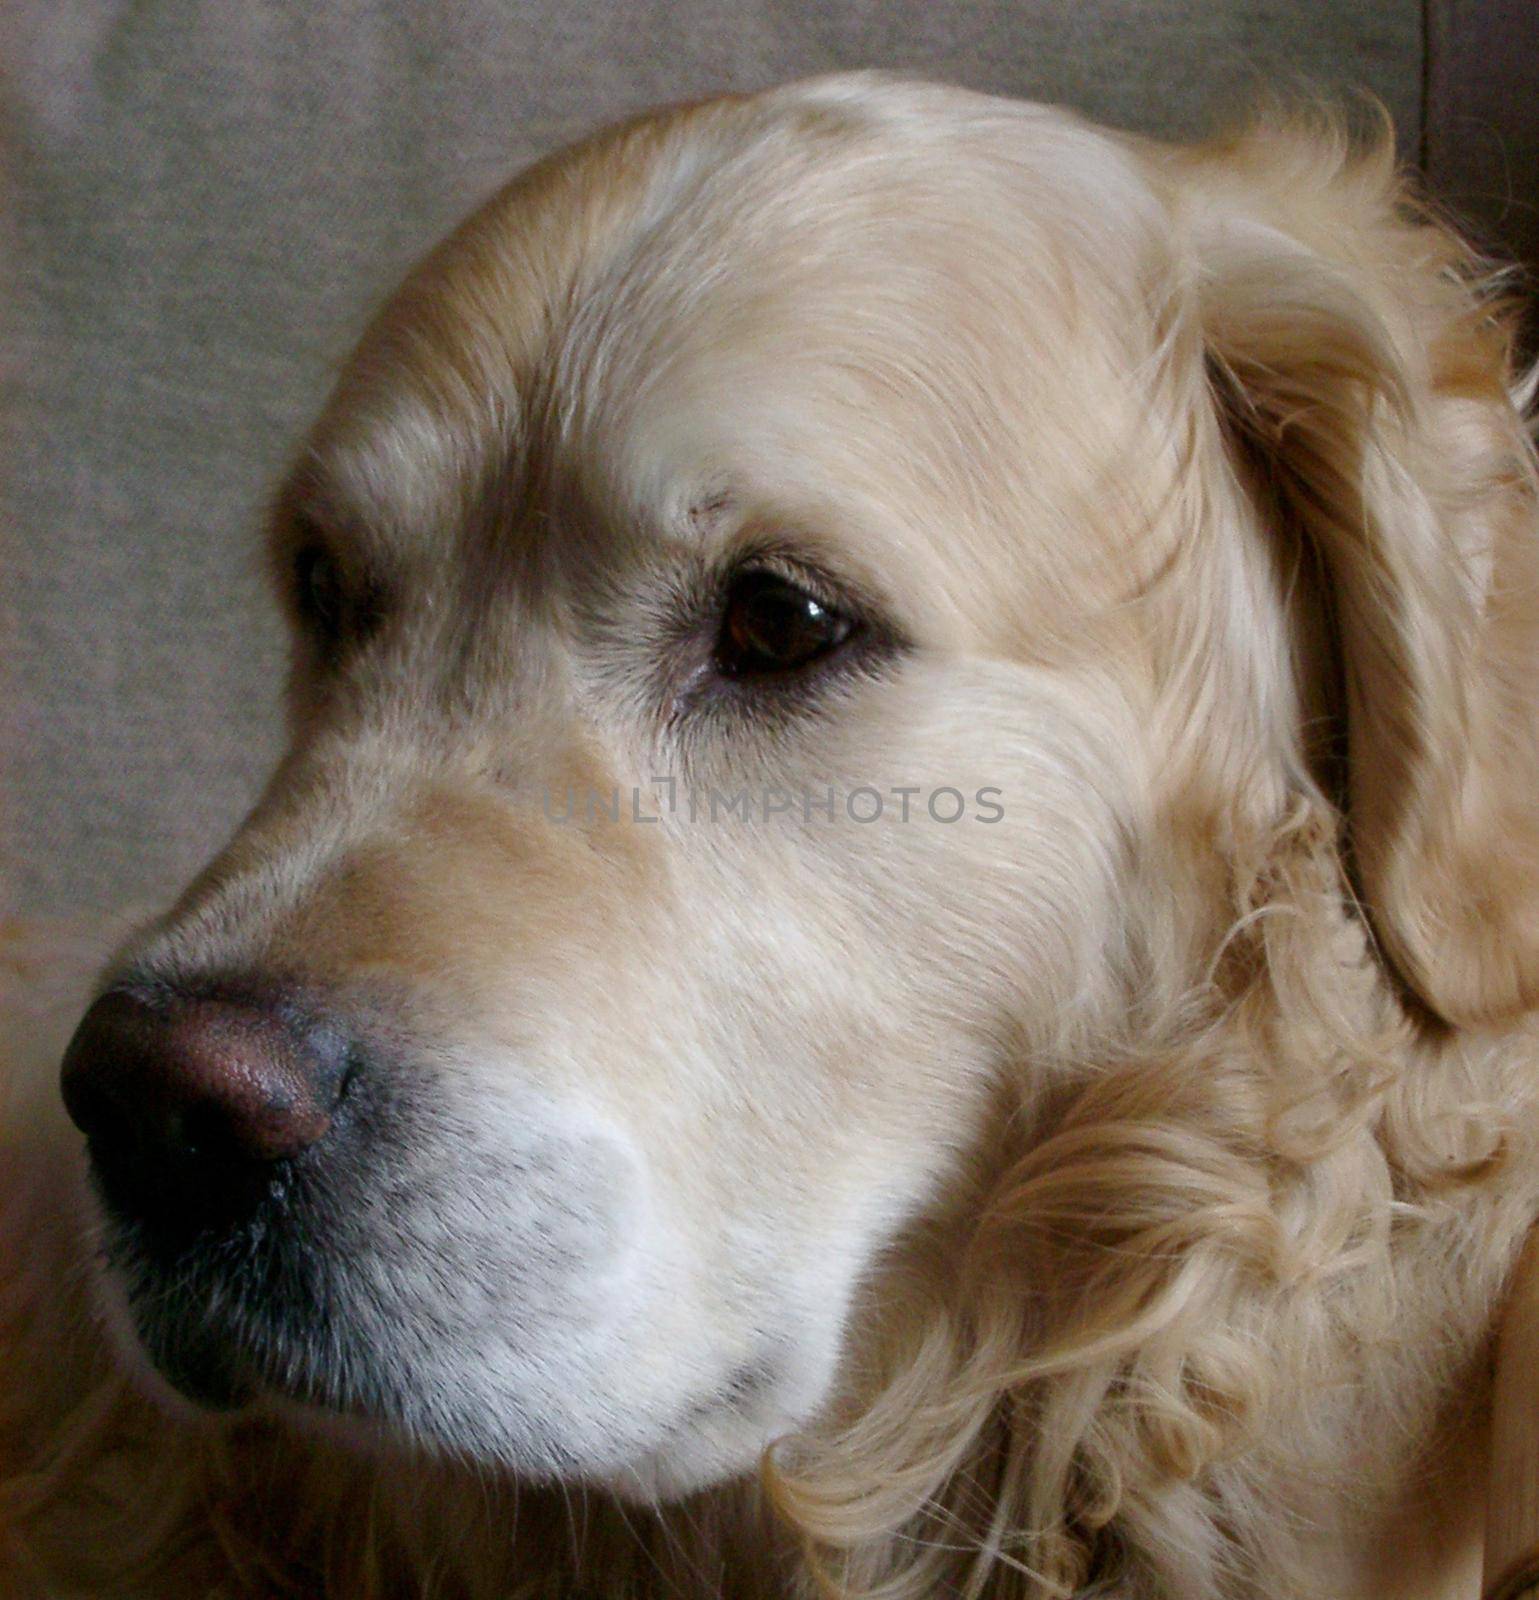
(803, 609)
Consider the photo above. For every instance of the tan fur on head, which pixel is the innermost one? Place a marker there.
(1107, 1200)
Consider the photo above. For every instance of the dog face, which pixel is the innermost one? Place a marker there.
(744, 751)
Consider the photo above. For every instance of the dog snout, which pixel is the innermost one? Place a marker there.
(191, 1103)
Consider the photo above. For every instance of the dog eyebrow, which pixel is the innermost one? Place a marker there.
(297, 513)
(705, 511)
(309, 509)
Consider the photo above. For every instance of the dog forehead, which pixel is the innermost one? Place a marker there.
(902, 300)
(811, 288)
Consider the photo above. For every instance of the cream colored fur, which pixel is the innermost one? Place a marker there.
(1142, 1172)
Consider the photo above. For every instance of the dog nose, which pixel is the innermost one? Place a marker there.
(190, 1103)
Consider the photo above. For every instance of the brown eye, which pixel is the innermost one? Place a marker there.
(772, 625)
(318, 590)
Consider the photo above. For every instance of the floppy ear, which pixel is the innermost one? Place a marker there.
(1364, 370)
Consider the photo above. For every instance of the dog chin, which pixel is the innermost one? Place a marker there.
(201, 1377)
(190, 1386)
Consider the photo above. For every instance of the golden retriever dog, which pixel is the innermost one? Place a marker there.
(893, 956)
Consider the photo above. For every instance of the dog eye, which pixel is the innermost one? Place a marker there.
(773, 625)
(318, 590)
(336, 607)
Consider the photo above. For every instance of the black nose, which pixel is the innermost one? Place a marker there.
(192, 1104)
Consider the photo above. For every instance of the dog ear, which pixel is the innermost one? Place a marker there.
(1365, 371)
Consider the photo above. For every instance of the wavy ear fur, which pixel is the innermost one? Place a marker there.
(1366, 372)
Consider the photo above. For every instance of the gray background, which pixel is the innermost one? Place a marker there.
(202, 202)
